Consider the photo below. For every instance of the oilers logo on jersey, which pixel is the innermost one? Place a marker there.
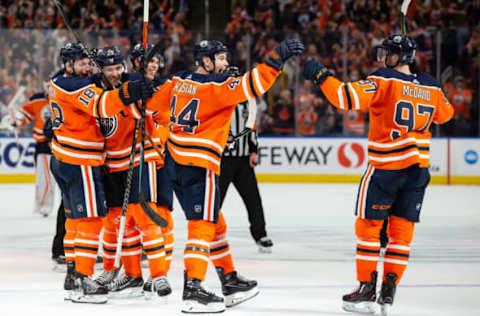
(108, 125)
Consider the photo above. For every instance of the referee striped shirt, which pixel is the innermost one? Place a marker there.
(247, 144)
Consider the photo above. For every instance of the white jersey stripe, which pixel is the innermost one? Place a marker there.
(192, 154)
(402, 262)
(340, 96)
(258, 83)
(86, 199)
(80, 142)
(399, 247)
(244, 86)
(195, 256)
(396, 158)
(367, 258)
(368, 243)
(355, 97)
(399, 143)
(197, 140)
(206, 197)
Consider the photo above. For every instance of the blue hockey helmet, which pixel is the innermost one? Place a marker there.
(402, 45)
(137, 53)
(208, 48)
(71, 52)
(108, 56)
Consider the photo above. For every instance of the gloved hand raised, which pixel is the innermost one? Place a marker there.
(132, 91)
(313, 70)
(7, 123)
(280, 54)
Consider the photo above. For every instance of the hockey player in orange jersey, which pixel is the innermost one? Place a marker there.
(201, 106)
(164, 187)
(140, 229)
(37, 110)
(78, 148)
(402, 106)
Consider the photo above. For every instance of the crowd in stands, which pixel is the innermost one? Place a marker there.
(342, 34)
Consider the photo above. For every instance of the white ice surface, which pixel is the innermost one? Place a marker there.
(311, 266)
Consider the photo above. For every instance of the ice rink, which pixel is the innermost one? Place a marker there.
(311, 266)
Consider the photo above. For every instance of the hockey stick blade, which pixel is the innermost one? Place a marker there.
(231, 143)
(157, 219)
(403, 18)
(155, 50)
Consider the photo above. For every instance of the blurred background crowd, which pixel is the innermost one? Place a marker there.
(341, 34)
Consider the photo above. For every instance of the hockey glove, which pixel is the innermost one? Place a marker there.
(7, 123)
(315, 71)
(133, 91)
(48, 129)
(279, 55)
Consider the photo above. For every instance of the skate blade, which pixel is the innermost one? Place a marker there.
(68, 295)
(127, 293)
(240, 297)
(193, 307)
(385, 309)
(265, 249)
(361, 307)
(89, 299)
(153, 296)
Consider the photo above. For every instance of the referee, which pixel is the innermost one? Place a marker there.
(237, 167)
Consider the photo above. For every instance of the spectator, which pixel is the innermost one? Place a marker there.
(306, 117)
(283, 114)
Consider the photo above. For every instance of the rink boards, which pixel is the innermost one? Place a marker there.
(296, 159)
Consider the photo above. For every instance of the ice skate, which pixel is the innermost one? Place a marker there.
(235, 288)
(265, 245)
(362, 300)
(125, 286)
(197, 300)
(158, 287)
(387, 293)
(106, 277)
(88, 291)
(69, 283)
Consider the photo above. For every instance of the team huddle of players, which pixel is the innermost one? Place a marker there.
(94, 121)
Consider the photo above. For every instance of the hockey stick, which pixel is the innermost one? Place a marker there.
(144, 65)
(11, 109)
(82, 44)
(249, 125)
(403, 18)
(160, 221)
(126, 197)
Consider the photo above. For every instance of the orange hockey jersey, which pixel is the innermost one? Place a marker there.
(401, 108)
(118, 131)
(201, 108)
(75, 104)
(36, 109)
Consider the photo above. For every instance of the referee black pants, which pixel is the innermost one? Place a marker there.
(237, 170)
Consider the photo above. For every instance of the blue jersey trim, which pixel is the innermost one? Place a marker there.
(420, 78)
(38, 96)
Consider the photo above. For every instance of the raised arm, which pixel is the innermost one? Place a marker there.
(355, 95)
(258, 80)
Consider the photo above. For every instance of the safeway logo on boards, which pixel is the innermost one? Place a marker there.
(351, 155)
